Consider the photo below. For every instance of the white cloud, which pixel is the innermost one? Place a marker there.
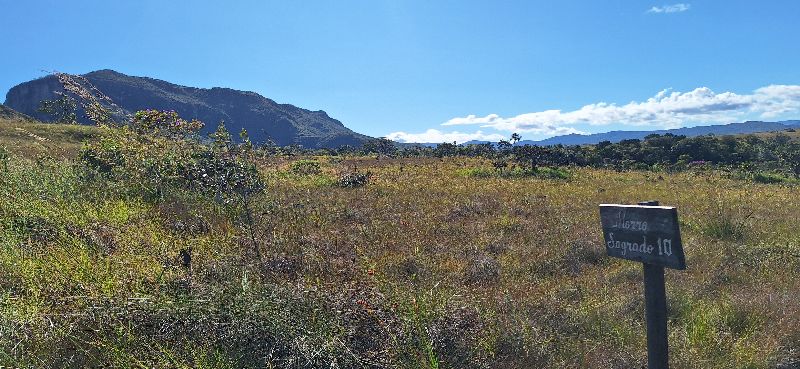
(436, 136)
(666, 109)
(779, 99)
(674, 8)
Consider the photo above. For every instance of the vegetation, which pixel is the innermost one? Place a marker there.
(62, 109)
(152, 246)
(306, 167)
(775, 155)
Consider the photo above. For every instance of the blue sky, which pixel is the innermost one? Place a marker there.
(439, 70)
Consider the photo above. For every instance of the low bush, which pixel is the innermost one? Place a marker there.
(4, 157)
(727, 224)
(769, 178)
(352, 180)
(306, 167)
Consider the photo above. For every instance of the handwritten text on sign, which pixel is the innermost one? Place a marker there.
(648, 234)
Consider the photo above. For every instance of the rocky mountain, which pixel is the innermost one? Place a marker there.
(11, 114)
(616, 136)
(263, 118)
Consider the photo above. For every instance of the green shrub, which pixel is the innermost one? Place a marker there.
(104, 156)
(306, 167)
(159, 153)
(768, 178)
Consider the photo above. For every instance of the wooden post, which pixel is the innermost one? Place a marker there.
(650, 234)
(655, 297)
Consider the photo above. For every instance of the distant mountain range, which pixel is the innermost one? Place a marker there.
(263, 118)
(616, 136)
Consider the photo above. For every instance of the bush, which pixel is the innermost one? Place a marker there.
(104, 156)
(483, 269)
(768, 178)
(159, 153)
(4, 156)
(725, 224)
(352, 180)
(306, 167)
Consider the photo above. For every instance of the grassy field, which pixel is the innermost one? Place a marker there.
(424, 267)
(34, 140)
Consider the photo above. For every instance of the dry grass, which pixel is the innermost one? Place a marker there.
(421, 268)
(33, 139)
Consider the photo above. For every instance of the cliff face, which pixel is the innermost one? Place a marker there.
(25, 98)
(263, 118)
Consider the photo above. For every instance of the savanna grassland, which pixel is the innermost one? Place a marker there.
(425, 266)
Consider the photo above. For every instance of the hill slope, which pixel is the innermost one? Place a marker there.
(11, 114)
(31, 139)
(263, 118)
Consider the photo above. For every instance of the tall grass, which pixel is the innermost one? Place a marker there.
(420, 267)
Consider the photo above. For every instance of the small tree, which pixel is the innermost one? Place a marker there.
(380, 146)
(164, 123)
(790, 157)
(504, 146)
(530, 155)
(446, 149)
(98, 107)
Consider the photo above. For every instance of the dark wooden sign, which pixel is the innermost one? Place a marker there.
(648, 234)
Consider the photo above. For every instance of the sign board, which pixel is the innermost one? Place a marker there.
(648, 234)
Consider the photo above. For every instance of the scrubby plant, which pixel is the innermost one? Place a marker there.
(483, 269)
(157, 123)
(726, 223)
(77, 90)
(4, 157)
(353, 179)
(500, 164)
(306, 167)
(104, 156)
(768, 178)
(380, 146)
(159, 155)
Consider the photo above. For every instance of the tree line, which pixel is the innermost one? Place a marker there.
(775, 151)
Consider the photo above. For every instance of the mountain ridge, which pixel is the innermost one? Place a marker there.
(262, 117)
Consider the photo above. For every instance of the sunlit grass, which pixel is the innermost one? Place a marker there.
(427, 266)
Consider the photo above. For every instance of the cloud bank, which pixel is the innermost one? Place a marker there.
(667, 109)
(436, 136)
(664, 110)
(674, 8)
